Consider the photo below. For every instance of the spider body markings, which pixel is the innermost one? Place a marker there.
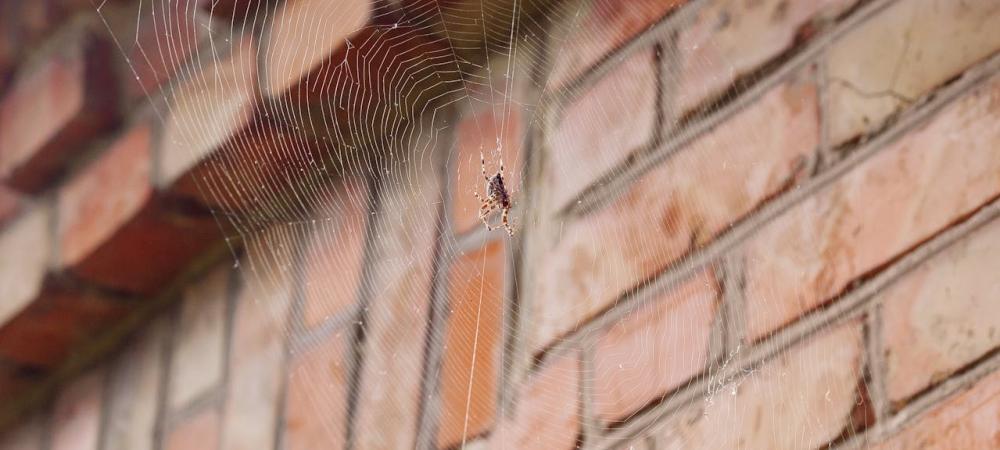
(497, 198)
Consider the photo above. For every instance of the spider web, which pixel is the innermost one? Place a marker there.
(366, 147)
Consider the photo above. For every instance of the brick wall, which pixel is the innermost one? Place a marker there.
(739, 225)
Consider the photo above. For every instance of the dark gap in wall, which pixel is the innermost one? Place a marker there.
(940, 379)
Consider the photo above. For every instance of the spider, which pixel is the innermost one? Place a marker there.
(497, 197)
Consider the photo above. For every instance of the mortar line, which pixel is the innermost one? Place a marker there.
(876, 363)
(744, 229)
(590, 425)
(915, 410)
(848, 307)
(613, 181)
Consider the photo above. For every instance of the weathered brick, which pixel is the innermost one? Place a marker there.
(967, 420)
(672, 210)
(332, 268)
(396, 322)
(25, 245)
(52, 108)
(473, 336)
(258, 342)
(316, 406)
(157, 38)
(199, 340)
(731, 38)
(94, 205)
(655, 349)
(547, 415)
(499, 136)
(922, 44)
(895, 200)
(110, 217)
(941, 316)
(598, 130)
(303, 35)
(195, 433)
(592, 29)
(44, 333)
(801, 399)
(76, 416)
(134, 387)
(207, 110)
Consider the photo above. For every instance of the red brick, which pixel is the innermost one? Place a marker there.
(207, 111)
(258, 342)
(942, 316)
(134, 392)
(895, 200)
(596, 27)
(26, 435)
(304, 35)
(473, 337)
(158, 38)
(199, 339)
(654, 350)
(967, 420)
(497, 135)
(672, 209)
(316, 406)
(76, 416)
(45, 332)
(922, 44)
(195, 433)
(547, 415)
(597, 131)
(395, 325)
(801, 399)
(25, 246)
(53, 107)
(732, 38)
(332, 273)
(110, 217)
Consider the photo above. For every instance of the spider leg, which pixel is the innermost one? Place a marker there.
(506, 223)
(482, 167)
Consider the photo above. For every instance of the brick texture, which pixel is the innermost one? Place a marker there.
(547, 415)
(600, 129)
(76, 416)
(64, 99)
(395, 327)
(21, 277)
(304, 34)
(655, 349)
(594, 28)
(316, 403)
(332, 268)
(810, 390)
(258, 341)
(942, 316)
(134, 393)
(730, 38)
(900, 197)
(671, 210)
(967, 420)
(110, 217)
(200, 432)
(197, 363)
(474, 332)
(923, 43)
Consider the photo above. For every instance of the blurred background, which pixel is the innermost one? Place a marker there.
(239, 225)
